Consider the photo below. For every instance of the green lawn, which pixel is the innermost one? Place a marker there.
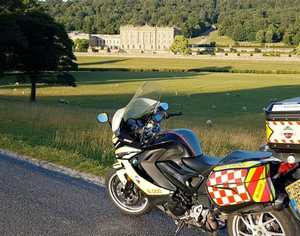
(205, 65)
(67, 133)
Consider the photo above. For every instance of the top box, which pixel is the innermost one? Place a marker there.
(283, 125)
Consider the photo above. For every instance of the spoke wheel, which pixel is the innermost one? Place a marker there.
(260, 224)
(128, 198)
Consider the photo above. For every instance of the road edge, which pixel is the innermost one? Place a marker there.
(98, 180)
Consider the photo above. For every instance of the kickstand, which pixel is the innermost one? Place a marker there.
(180, 226)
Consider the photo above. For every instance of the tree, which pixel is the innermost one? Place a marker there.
(36, 46)
(239, 33)
(260, 36)
(272, 35)
(298, 50)
(81, 45)
(180, 45)
(269, 36)
(296, 38)
(288, 38)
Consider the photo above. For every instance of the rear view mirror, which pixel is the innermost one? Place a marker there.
(102, 118)
(164, 106)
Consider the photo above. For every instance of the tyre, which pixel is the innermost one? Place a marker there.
(129, 198)
(279, 223)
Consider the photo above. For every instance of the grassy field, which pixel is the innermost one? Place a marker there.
(204, 65)
(61, 126)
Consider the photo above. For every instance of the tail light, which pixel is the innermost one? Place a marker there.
(286, 167)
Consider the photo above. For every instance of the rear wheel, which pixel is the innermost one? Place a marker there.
(270, 223)
(129, 198)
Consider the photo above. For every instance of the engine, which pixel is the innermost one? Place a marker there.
(186, 212)
(179, 204)
(201, 217)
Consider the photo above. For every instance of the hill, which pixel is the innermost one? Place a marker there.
(244, 20)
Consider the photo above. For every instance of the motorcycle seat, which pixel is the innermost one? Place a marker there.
(201, 163)
(241, 156)
(204, 163)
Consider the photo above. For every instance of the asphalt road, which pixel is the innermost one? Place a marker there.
(35, 201)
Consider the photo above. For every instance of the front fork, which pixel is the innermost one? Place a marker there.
(121, 173)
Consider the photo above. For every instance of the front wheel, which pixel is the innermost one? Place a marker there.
(129, 198)
(271, 223)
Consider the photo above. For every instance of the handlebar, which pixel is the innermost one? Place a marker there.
(169, 115)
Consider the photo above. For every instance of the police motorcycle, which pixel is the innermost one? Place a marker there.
(250, 193)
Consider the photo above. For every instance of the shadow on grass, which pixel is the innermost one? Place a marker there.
(199, 106)
(107, 77)
(101, 62)
(212, 69)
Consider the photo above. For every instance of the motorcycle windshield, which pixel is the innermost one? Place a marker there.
(145, 100)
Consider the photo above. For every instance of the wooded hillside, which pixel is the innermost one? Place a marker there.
(244, 20)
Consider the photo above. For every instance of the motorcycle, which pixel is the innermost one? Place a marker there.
(250, 193)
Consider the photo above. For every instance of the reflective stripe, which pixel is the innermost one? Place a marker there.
(246, 164)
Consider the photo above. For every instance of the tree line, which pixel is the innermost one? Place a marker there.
(261, 21)
(106, 16)
(244, 20)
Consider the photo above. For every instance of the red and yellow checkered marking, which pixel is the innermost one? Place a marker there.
(226, 187)
(237, 186)
(259, 184)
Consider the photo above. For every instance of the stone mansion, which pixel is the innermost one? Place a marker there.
(137, 39)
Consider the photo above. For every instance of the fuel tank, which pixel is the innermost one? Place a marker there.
(185, 138)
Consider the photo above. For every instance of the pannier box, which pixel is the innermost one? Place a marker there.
(240, 183)
(283, 125)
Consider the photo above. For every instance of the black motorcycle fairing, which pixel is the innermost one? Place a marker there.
(164, 157)
(185, 179)
(148, 160)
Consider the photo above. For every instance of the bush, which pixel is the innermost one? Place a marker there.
(180, 45)
(220, 50)
(213, 44)
(238, 54)
(226, 54)
(271, 54)
(257, 50)
(298, 49)
(81, 45)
